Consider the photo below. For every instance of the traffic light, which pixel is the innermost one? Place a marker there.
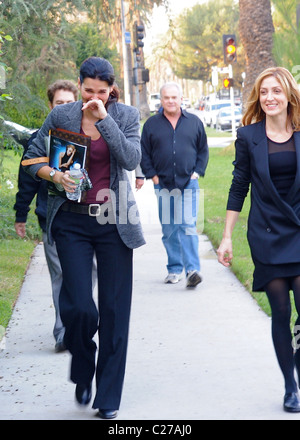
(145, 75)
(229, 48)
(138, 36)
(227, 83)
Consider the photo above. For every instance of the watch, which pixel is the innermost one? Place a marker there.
(195, 175)
(52, 173)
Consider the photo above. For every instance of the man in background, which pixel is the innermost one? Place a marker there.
(60, 92)
(174, 156)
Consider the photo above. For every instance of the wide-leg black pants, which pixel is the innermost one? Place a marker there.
(78, 237)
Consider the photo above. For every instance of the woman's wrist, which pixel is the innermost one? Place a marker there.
(57, 178)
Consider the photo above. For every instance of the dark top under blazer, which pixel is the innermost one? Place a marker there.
(273, 223)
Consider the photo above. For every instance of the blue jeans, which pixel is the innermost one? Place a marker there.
(178, 212)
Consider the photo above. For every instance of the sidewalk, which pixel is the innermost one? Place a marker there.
(203, 354)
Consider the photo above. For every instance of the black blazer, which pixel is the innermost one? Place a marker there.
(273, 223)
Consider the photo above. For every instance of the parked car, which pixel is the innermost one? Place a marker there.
(211, 110)
(185, 103)
(224, 118)
(154, 102)
(20, 133)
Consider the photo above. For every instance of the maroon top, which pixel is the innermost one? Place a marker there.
(99, 170)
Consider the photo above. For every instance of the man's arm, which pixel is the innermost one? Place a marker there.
(202, 151)
(146, 162)
(27, 189)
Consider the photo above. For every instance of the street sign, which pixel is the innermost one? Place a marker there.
(223, 69)
(127, 37)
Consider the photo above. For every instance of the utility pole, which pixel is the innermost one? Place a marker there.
(232, 103)
(127, 97)
(298, 15)
(140, 74)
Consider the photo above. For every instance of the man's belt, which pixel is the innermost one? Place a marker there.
(34, 160)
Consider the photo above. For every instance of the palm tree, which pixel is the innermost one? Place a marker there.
(256, 33)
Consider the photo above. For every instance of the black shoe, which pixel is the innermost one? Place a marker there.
(291, 402)
(107, 413)
(83, 393)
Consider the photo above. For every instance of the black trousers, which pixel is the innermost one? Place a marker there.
(78, 237)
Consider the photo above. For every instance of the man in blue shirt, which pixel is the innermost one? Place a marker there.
(174, 155)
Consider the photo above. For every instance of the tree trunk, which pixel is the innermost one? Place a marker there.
(256, 33)
(298, 15)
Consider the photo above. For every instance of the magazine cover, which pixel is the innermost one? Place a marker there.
(67, 148)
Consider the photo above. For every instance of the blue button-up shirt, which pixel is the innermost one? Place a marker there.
(173, 155)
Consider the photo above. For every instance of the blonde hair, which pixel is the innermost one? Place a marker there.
(254, 112)
(71, 146)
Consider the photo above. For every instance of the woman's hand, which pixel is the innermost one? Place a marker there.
(65, 181)
(225, 252)
(96, 107)
(225, 249)
(139, 183)
(59, 178)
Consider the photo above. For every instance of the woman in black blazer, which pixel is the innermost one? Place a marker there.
(268, 158)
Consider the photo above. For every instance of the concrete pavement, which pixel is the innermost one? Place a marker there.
(202, 354)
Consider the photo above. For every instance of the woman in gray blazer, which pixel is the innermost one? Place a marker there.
(106, 223)
(268, 158)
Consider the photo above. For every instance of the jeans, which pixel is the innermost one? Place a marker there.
(178, 212)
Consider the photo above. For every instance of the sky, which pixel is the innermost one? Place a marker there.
(159, 21)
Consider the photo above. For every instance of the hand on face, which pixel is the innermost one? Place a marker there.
(96, 107)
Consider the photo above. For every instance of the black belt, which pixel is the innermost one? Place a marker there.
(93, 210)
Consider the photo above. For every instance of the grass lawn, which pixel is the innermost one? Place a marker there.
(15, 252)
(14, 260)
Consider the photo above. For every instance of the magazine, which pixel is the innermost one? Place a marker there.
(66, 148)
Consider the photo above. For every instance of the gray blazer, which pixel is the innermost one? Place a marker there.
(121, 131)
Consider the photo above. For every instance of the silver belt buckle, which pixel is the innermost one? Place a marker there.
(92, 205)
